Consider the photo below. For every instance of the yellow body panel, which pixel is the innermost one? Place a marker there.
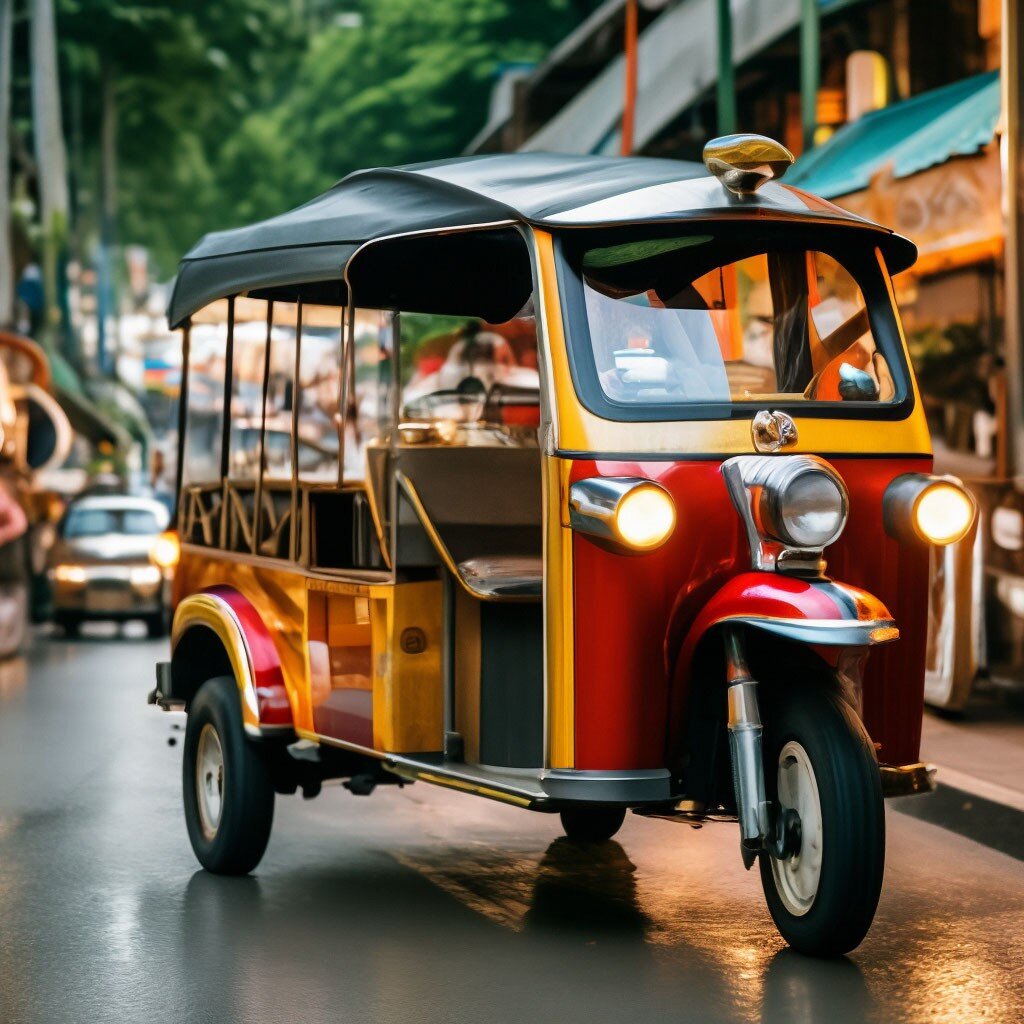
(560, 674)
(407, 696)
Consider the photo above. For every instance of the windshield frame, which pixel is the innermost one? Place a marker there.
(857, 253)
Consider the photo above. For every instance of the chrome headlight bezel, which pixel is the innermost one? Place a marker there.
(759, 486)
(778, 498)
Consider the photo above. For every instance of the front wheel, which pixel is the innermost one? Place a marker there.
(228, 792)
(821, 768)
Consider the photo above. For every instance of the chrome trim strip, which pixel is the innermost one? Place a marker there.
(829, 632)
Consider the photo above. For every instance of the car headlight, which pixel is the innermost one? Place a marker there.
(70, 574)
(933, 509)
(166, 550)
(628, 512)
(803, 503)
(145, 575)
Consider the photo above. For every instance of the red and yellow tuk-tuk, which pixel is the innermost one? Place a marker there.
(626, 505)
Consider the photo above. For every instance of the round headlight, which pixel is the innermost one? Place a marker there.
(645, 518)
(919, 507)
(806, 509)
(943, 513)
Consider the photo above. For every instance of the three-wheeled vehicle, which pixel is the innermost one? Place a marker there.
(599, 424)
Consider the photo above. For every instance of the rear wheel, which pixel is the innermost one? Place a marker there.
(156, 625)
(592, 824)
(227, 787)
(69, 625)
(820, 765)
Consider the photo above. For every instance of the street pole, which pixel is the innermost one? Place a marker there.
(6, 250)
(629, 99)
(51, 169)
(810, 68)
(1013, 198)
(726, 87)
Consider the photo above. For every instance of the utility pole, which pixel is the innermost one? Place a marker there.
(726, 86)
(106, 303)
(810, 68)
(1013, 198)
(51, 166)
(629, 99)
(6, 252)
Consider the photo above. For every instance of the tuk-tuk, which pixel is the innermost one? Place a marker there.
(598, 423)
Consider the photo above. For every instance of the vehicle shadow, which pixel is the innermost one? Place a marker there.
(586, 888)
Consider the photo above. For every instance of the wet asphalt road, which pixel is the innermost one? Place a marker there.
(424, 905)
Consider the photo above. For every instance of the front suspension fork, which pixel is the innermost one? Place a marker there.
(760, 827)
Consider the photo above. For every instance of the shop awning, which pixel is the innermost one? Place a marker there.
(911, 136)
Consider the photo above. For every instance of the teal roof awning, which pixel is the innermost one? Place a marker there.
(926, 130)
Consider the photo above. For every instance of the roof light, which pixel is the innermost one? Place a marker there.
(743, 163)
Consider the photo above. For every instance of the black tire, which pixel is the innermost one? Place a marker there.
(156, 625)
(592, 824)
(236, 842)
(69, 625)
(845, 772)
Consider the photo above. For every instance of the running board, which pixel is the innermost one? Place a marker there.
(541, 789)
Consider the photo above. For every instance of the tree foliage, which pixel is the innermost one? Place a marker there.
(232, 110)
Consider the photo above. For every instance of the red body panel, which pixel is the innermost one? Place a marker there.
(271, 695)
(633, 612)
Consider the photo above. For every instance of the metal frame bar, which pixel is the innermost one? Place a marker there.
(257, 508)
(293, 546)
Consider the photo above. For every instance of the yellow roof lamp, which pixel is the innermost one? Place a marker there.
(919, 508)
(743, 163)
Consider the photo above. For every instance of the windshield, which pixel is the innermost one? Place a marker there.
(99, 522)
(673, 325)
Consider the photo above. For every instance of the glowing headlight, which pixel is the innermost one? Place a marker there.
(70, 574)
(166, 550)
(803, 504)
(625, 511)
(645, 518)
(936, 510)
(145, 575)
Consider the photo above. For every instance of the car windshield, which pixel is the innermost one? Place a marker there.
(703, 320)
(99, 522)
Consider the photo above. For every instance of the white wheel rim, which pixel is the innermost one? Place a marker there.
(209, 780)
(797, 877)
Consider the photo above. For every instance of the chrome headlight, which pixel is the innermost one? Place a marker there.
(792, 506)
(630, 513)
(933, 509)
(803, 504)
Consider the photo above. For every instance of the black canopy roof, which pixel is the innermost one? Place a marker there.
(313, 243)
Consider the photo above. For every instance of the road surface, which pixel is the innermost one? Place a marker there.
(423, 905)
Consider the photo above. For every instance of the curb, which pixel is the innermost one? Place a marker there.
(984, 812)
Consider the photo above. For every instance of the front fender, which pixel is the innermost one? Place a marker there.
(816, 612)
